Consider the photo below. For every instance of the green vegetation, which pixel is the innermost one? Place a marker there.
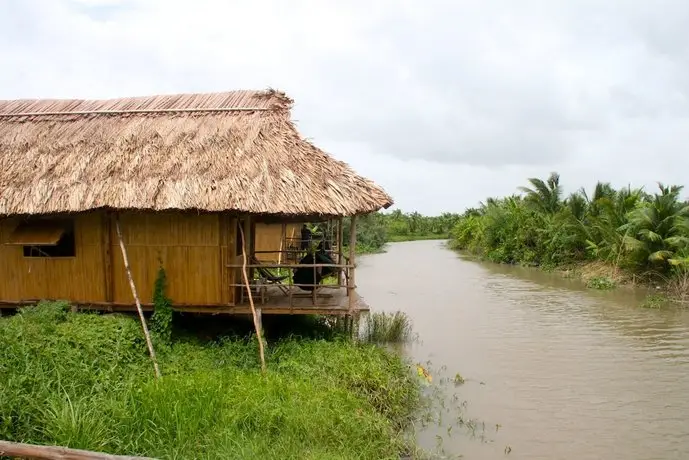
(600, 282)
(414, 226)
(161, 320)
(85, 381)
(384, 327)
(376, 229)
(634, 233)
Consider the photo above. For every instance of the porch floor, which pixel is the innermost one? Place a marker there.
(330, 301)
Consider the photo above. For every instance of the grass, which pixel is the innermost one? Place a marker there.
(85, 381)
(656, 300)
(600, 283)
(384, 327)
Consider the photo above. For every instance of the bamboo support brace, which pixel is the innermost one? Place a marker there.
(257, 322)
(149, 343)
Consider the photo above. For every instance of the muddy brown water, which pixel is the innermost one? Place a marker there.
(552, 370)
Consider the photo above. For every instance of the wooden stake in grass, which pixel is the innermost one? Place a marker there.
(16, 449)
(149, 343)
(257, 322)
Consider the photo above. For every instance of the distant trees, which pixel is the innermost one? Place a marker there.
(376, 229)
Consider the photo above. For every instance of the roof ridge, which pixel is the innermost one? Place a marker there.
(138, 111)
(224, 101)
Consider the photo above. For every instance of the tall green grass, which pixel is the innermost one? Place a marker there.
(387, 327)
(85, 381)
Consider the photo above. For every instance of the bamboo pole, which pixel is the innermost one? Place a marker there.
(257, 321)
(18, 449)
(149, 343)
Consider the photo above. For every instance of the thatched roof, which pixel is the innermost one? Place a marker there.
(209, 152)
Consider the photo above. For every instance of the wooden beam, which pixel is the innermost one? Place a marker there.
(340, 254)
(352, 253)
(291, 265)
(214, 309)
(18, 449)
(283, 241)
(251, 236)
(108, 274)
(224, 243)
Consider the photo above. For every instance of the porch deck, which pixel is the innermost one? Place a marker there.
(328, 301)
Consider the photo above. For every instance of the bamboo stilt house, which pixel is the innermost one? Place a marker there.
(180, 174)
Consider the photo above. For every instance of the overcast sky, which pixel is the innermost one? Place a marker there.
(441, 102)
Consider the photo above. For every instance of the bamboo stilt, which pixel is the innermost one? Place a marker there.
(351, 282)
(257, 321)
(144, 326)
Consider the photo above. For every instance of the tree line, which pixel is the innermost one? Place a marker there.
(376, 229)
(627, 228)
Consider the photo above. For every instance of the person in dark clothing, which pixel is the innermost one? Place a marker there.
(305, 237)
(305, 275)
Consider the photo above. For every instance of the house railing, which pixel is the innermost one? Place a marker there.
(264, 276)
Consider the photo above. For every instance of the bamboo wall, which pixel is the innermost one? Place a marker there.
(268, 239)
(80, 278)
(193, 248)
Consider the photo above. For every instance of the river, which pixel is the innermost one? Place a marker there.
(553, 370)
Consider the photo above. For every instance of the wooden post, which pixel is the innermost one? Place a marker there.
(283, 241)
(149, 343)
(251, 237)
(352, 252)
(340, 251)
(254, 312)
(108, 257)
(21, 450)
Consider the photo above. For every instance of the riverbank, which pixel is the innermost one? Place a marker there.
(611, 237)
(601, 276)
(419, 237)
(85, 381)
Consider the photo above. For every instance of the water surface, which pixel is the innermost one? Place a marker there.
(564, 372)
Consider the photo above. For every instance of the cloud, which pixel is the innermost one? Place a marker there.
(441, 102)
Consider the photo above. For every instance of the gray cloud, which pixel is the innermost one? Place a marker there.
(487, 93)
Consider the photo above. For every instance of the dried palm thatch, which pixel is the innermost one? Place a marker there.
(208, 152)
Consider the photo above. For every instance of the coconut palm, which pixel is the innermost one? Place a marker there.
(659, 229)
(544, 195)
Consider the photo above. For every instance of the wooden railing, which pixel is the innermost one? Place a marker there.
(261, 285)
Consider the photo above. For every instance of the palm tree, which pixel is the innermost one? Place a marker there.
(658, 230)
(545, 195)
(608, 218)
(577, 204)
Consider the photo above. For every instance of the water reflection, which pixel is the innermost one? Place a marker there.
(565, 372)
